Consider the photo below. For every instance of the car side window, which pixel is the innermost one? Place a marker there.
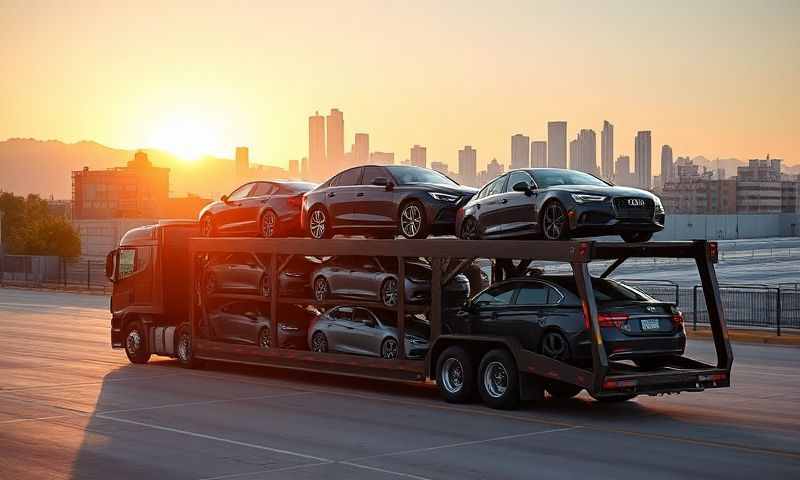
(342, 314)
(484, 191)
(516, 177)
(371, 173)
(262, 189)
(363, 316)
(348, 178)
(537, 293)
(500, 295)
(497, 186)
(241, 192)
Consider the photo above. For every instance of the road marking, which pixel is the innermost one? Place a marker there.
(383, 470)
(274, 470)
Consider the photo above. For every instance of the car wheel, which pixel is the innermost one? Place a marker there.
(498, 381)
(389, 348)
(265, 288)
(211, 284)
(269, 224)
(412, 221)
(318, 224)
(555, 346)
(207, 226)
(183, 348)
(636, 237)
(469, 229)
(265, 338)
(319, 342)
(554, 222)
(321, 289)
(135, 343)
(455, 375)
(562, 390)
(389, 292)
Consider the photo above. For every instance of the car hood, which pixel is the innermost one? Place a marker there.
(614, 191)
(461, 190)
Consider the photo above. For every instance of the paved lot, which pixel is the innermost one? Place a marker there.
(70, 407)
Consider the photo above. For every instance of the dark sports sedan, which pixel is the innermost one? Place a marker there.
(382, 201)
(246, 273)
(249, 323)
(267, 209)
(556, 204)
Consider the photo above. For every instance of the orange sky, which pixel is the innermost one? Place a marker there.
(716, 80)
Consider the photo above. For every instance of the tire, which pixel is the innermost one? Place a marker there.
(455, 375)
(269, 225)
(554, 222)
(390, 348)
(498, 380)
(390, 297)
(319, 342)
(264, 340)
(636, 237)
(184, 349)
(322, 290)
(616, 398)
(555, 346)
(469, 229)
(207, 226)
(136, 343)
(319, 226)
(210, 284)
(413, 224)
(561, 390)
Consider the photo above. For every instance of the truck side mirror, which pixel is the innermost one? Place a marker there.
(111, 265)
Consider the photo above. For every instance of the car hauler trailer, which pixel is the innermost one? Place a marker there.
(183, 330)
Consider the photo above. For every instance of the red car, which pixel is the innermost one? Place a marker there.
(266, 209)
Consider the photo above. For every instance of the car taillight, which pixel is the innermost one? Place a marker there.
(677, 319)
(612, 319)
(296, 202)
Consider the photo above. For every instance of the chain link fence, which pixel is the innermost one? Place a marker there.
(53, 272)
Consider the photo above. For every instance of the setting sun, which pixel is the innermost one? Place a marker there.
(188, 135)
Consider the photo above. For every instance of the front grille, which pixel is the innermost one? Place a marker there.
(625, 210)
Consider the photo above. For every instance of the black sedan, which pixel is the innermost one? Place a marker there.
(267, 209)
(556, 204)
(382, 201)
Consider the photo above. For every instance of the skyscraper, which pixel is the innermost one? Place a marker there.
(587, 152)
(419, 156)
(573, 154)
(335, 143)
(666, 163)
(294, 169)
(242, 162)
(520, 151)
(317, 168)
(538, 154)
(557, 144)
(607, 150)
(468, 165)
(643, 159)
(361, 149)
(381, 158)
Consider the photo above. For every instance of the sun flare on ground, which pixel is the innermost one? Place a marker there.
(187, 135)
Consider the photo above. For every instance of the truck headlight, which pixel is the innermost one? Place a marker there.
(443, 197)
(587, 198)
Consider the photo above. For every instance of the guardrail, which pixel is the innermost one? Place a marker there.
(41, 271)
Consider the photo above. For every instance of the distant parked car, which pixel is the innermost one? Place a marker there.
(556, 204)
(367, 332)
(375, 279)
(545, 314)
(249, 323)
(248, 274)
(382, 201)
(266, 209)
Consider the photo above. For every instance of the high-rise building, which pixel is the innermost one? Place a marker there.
(586, 150)
(361, 149)
(304, 173)
(520, 151)
(468, 165)
(666, 163)
(607, 150)
(538, 154)
(335, 145)
(419, 156)
(242, 162)
(643, 159)
(381, 158)
(317, 167)
(494, 169)
(573, 154)
(622, 172)
(440, 167)
(294, 169)
(557, 144)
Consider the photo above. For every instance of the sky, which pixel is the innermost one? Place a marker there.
(712, 78)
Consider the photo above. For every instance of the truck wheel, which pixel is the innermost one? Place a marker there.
(455, 375)
(136, 343)
(561, 390)
(184, 350)
(499, 381)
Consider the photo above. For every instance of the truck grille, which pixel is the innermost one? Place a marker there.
(636, 208)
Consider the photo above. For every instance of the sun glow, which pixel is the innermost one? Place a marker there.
(187, 135)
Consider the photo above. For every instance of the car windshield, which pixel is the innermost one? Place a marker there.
(405, 175)
(605, 290)
(551, 177)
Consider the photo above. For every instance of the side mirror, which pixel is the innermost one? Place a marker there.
(223, 199)
(110, 265)
(522, 187)
(383, 182)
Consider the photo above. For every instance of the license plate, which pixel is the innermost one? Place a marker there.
(650, 324)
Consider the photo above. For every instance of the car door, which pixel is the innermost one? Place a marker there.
(517, 210)
(341, 197)
(251, 206)
(489, 207)
(244, 272)
(375, 206)
(339, 330)
(487, 310)
(365, 278)
(230, 218)
(338, 273)
(366, 334)
(536, 307)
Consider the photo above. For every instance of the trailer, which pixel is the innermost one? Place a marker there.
(184, 332)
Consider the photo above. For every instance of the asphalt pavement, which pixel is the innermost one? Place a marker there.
(71, 407)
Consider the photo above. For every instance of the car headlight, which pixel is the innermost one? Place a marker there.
(587, 198)
(443, 197)
(659, 207)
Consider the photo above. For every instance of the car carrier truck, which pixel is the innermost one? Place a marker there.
(159, 307)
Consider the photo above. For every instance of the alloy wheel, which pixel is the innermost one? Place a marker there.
(389, 293)
(318, 224)
(319, 343)
(452, 375)
(321, 289)
(469, 231)
(389, 349)
(495, 379)
(411, 220)
(268, 223)
(554, 221)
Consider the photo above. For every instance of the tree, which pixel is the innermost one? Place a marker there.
(29, 229)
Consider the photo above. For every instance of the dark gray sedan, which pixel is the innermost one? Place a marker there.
(362, 331)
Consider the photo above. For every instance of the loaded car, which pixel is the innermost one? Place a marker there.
(249, 323)
(364, 331)
(556, 204)
(382, 201)
(375, 279)
(545, 315)
(266, 209)
(246, 273)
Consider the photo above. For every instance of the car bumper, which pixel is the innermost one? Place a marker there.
(604, 220)
(620, 346)
(442, 216)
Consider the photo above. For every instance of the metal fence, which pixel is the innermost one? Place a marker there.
(53, 272)
(773, 307)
